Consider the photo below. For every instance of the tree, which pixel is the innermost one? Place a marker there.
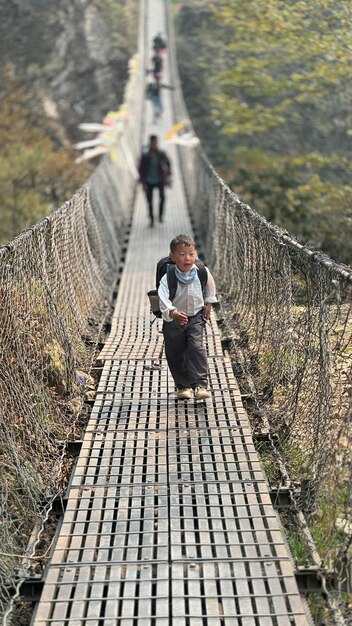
(282, 58)
(35, 175)
(278, 104)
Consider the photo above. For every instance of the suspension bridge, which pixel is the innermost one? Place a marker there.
(167, 517)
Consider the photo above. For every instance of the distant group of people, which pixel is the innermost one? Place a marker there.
(154, 165)
(159, 47)
(154, 85)
(157, 62)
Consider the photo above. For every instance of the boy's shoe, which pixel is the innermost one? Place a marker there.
(200, 393)
(184, 394)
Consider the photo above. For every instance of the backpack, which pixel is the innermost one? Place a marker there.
(166, 266)
(152, 91)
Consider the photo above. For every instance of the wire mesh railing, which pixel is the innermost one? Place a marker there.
(287, 318)
(56, 287)
(288, 314)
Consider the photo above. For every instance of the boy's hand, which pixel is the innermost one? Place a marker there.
(179, 318)
(207, 311)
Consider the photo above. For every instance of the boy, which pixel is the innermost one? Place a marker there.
(184, 321)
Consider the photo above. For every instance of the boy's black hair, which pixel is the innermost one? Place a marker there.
(185, 239)
(153, 138)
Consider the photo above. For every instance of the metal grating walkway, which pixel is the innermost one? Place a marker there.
(169, 521)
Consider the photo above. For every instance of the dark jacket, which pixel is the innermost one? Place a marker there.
(164, 167)
(157, 64)
(159, 43)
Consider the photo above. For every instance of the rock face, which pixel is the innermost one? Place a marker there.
(70, 53)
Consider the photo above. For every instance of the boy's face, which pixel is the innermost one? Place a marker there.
(184, 257)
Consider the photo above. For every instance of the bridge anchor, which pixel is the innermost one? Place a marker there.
(310, 579)
(31, 589)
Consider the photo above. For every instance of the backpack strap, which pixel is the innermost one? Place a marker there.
(172, 280)
(202, 274)
(161, 269)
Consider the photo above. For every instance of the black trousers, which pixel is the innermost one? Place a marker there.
(185, 352)
(149, 194)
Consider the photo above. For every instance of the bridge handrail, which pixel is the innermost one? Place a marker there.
(57, 281)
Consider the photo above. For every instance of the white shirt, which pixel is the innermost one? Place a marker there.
(189, 297)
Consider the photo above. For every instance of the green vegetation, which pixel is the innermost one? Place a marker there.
(267, 90)
(122, 19)
(36, 175)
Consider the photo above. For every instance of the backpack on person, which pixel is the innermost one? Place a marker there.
(166, 266)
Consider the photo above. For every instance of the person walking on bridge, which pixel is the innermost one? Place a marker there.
(159, 43)
(154, 172)
(153, 94)
(157, 63)
(185, 316)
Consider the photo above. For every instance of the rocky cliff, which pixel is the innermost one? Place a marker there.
(72, 54)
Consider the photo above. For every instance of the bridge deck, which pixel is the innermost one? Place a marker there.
(169, 520)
